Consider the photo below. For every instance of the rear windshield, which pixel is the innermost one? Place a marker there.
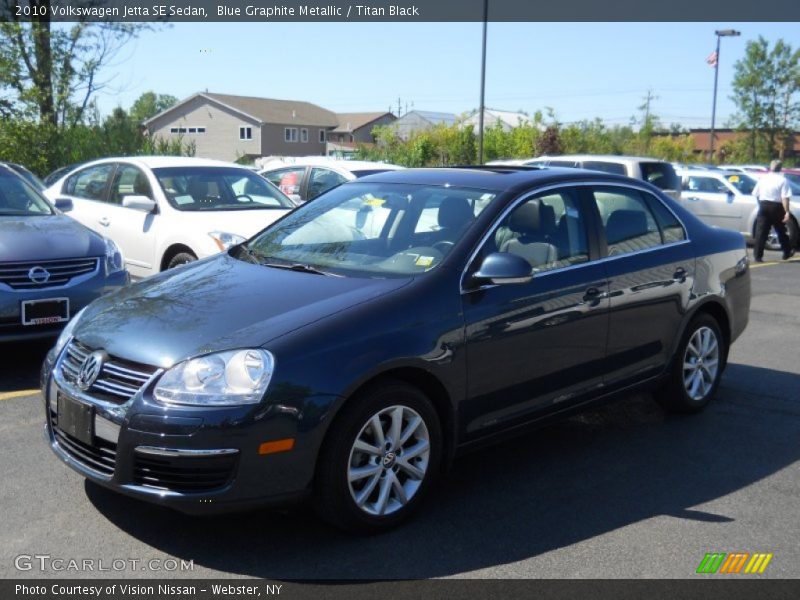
(364, 172)
(661, 175)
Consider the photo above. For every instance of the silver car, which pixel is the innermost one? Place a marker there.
(724, 199)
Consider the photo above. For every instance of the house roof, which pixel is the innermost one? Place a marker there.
(349, 122)
(266, 110)
(491, 116)
(432, 117)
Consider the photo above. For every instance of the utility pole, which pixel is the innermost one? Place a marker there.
(483, 82)
(720, 33)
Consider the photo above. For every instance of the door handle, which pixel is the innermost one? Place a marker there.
(693, 198)
(679, 275)
(593, 294)
(104, 222)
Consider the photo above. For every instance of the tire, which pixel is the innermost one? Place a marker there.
(181, 259)
(365, 486)
(689, 389)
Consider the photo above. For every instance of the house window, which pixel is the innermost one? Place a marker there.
(290, 134)
(197, 129)
(352, 138)
(321, 136)
(304, 136)
(245, 133)
(177, 130)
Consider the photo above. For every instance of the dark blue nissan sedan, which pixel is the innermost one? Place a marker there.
(50, 265)
(350, 350)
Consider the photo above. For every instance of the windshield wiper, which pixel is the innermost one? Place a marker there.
(302, 268)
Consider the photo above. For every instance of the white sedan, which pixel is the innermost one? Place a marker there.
(166, 211)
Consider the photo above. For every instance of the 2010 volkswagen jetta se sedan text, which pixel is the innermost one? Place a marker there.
(350, 350)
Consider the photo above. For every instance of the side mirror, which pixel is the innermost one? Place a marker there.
(503, 267)
(64, 204)
(142, 203)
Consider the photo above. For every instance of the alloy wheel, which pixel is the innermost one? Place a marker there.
(701, 363)
(389, 460)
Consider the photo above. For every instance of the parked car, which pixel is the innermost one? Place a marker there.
(351, 369)
(166, 211)
(658, 172)
(304, 178)
(25, 174)
(50, 266)
(745, 168)
(793, 175)
(51, 178)
(724, 199)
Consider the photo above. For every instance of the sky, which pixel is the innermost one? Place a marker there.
(581, 70)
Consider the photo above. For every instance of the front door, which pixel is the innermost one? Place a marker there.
(538, 346)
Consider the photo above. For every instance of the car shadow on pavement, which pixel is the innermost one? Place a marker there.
(586, 476)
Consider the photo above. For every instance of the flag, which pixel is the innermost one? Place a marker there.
(712, 59)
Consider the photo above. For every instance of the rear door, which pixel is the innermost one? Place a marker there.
(650, 267)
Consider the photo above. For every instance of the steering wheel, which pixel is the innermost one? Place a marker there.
(247, 198)
(444, 246)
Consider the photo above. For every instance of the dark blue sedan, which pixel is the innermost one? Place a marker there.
(50, 265)
(352, 349)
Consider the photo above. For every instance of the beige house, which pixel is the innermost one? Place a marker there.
(229, 127)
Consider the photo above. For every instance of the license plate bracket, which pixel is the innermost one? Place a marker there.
(76, 419)
(45, 311)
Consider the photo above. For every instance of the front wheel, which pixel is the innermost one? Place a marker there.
(181, 259)
(697, 368)
(379, 459)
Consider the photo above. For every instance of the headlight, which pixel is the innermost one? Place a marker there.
(225, 240)
(222, 379)
(114, 260)
(66, 333)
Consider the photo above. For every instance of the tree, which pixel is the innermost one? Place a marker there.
(51, 72)
(765, 90)
(150, 104)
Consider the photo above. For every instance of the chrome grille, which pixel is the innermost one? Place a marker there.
(101, 456)
(15, 274)
(118, 381)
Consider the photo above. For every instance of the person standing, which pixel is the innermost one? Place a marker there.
(772, 193)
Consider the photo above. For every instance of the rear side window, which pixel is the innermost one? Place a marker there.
(660, 174)
(671, 229)
(90, 183)
(606, 167)
(561, 163)
(628, 222)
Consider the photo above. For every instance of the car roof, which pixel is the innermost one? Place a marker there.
(326, 161)
(155, 162)
(601, 158)
(496, 178)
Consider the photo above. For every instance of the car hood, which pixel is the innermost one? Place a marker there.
(46, 238)
(219, 303)
(241, 222)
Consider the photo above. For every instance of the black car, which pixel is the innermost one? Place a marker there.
(350, 350)
(50, 265)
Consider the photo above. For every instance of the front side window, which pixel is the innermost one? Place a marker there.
(628, 222)
(129, 181)
(90, 183)
(218, 188)
(548, 231)
(695, 183)
(744, 183)
(245, 133)
(372, 229)
(17, 198)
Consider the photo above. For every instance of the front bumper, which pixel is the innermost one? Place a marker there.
(80, 292)
(196, 460)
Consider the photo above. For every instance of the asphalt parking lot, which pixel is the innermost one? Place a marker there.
(623, 491)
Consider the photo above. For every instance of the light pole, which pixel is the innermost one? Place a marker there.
(720, 33)
(483, 82)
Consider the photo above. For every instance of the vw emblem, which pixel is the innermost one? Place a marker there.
(388, 460)
(39, 275)
(90, 370)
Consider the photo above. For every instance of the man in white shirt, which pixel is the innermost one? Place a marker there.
(773, 193)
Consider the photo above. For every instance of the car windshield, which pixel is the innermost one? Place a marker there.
(18, 198)
(218, 188)
(371, 229)
(28, 176)
(743, 183)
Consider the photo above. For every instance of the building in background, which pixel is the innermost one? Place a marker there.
(420, 120)
(508, 120)
(354, 129)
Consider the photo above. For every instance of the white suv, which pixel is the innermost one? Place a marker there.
(658, 172)
(166, 211)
